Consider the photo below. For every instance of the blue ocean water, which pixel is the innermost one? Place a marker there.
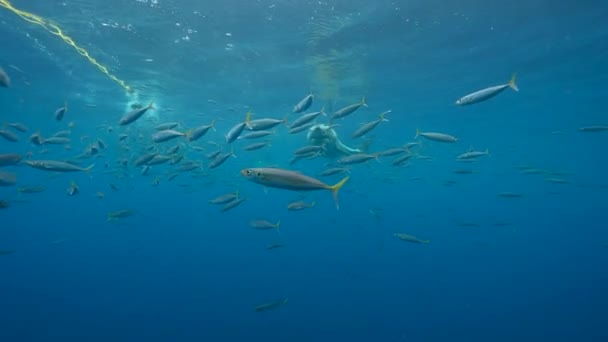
(525, 268)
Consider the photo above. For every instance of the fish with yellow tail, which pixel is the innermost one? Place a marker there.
(291, 180)
(487, 93)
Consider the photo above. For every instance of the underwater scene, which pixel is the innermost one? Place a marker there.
(294, 170)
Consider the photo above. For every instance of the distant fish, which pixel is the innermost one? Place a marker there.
(56, 141)
(473, 154)
(9, 159)
(510, 195)
(256, 134)
(166, 135)
(264, 225)
(301, 128)
(7, 178)
(440, 137)
(290, 180)
(145, 159)
(271, 305)
(348, 110)
(305, 119)
(300, 205)
(18, 126)
(5, 81)
(593, 129)
(257, 146)
(220, 159)
(356, 158)
(135, 114)
(368, 127)
(9, 136)
(410, 238)
(275, 246)
(223, 199)
(166, 126)
(401, 160)
(34, 189)
(73, 190)
(57, 166)
(198, 132)
(233, 204)
(120, 214)
(60, 112)
(334, 171)
(304, 104)
(487, 93)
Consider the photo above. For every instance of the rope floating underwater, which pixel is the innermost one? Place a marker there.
(55, 30)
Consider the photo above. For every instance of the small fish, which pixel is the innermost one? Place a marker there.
(440, 137)
(166, 126)
(392, 152)
(233, 204)
(275, 246)
(264, 225)
(463, 171)
(9, 136)
(299, 205)
(101, 143)
(100, 195)
(256, 134)
(487, 93)
(159, 159)
(264, 124)
(17, 126)
(4, 204)
(305, 119)
(145, 170)
(166, 135)
(60, 112)
(122, 137)
(56, 141)
(593, 129)
(5, 252)
(172, 176)
(220, 159)
(223, 199)
(214, 154)
(402, 159)
(301, 128)
(334, 171)
(356, 158)
(304, 104)
(145, 159)
(271, 305)
(557, 180)
(7, 178)
(5, 81)
(36, 139)
(473, 155)
(348, 110)
(198, 132)
(290, 180)
(135, 114)
(257, 146)
(309, 149)
(368, 127)
(510, 195)
(120, 214)
(9, 159)
(410, 238)
(73, 189)
(63, 134)
(174, 149)
(57, 166)
(31, 189)
(237, 129)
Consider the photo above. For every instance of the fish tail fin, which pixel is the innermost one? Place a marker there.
(286, 119)
(213, 125)
(335, 188)
(65, 105)
(89, 168)
(417, 133)
(187, 135)
(313, 204)
(151, 105)
(425, 241)
(363, 102)
(110, 218)
(512, 83)
(487, 152)
(382, 115)
(285, 301)
(323, 111)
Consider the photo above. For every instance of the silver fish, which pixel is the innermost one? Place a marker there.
(18, 126)
(159, 159)
(368, 127)
(145, 159)
(348, 110)
(473, 154)
(198, 132)
(56, 141)
(135, 114)
(257, 146)
(166, 135)
(356, 158)
(290, 180)
(166, 126)
(304, 104)
(302, 128)
(9, 159)
(7, 178)
(8, 135)
(220, 159)
(593, 129)
(487, 93)
(5, 81)
(306, 118)
(256, 134)
(58, 166)
(264, 124)
(440, 137)
(60, 112)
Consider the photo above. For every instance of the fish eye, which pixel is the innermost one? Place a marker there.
(248, 172)
(258, 174)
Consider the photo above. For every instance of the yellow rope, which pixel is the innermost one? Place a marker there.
(55, 30)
